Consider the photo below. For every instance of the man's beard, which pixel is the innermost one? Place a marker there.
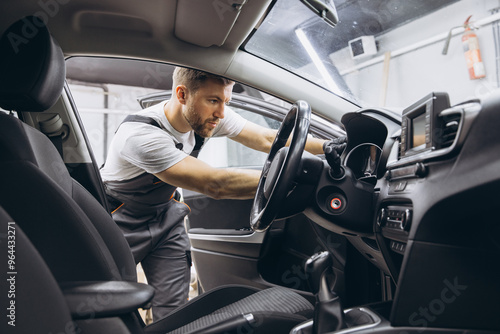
(200, 127)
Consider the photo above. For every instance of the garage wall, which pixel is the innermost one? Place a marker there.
(416, 73)
(102, 105)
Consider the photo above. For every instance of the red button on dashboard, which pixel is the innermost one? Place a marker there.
(336, 203)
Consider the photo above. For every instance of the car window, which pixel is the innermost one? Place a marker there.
(386, 53)
(223, 152)
(103, 106)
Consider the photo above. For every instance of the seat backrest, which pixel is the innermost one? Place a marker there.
(31, 299)
(30, 65)
(73, 232)
(68, 240)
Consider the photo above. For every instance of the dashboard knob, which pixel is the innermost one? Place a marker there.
(382, 216)
(406, 221)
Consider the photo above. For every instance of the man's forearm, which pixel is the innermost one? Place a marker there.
(260, 138)
(232, 183)
(314, 145)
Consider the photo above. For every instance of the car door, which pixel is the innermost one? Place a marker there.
(225, 250)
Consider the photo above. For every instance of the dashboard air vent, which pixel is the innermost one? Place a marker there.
(450, 125)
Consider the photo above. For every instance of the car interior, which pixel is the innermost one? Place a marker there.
(393, 232)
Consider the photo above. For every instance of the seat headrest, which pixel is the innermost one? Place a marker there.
(32, 67)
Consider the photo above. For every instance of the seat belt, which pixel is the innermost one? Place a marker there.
(57, 141)
(53, 128)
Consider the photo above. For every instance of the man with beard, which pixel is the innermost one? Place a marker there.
(153, 152)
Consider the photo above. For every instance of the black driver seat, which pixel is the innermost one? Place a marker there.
(18, 275)
(75, 235)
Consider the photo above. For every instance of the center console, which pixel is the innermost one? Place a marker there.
(435, 206)
(429, 134)
(431, 239)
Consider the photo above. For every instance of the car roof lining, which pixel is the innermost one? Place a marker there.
(137, 30)
(147, 31)
(103, 70)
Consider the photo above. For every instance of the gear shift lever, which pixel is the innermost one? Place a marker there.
(328, 312)
(315, 267)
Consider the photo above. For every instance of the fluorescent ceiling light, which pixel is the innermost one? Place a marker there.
(317, 61)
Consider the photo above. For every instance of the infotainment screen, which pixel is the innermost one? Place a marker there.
(419, 123)
(418, 131)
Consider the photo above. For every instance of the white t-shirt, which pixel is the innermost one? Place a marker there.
(139, 147)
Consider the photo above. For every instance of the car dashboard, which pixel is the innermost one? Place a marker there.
(430, 219)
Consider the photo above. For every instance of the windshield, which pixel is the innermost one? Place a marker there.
(386, 53)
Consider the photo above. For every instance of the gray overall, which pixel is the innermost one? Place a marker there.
(152, 220)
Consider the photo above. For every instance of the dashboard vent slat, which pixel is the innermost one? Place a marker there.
(451, 123)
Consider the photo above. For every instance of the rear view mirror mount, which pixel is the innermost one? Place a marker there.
(324, 9)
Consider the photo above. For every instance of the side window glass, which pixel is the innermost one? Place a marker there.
(224, 152)
(103, 102)
(102, 107)
(242, 156)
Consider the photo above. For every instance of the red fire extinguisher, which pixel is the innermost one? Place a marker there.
(472, 53)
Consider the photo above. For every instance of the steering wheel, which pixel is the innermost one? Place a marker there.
(281, 167)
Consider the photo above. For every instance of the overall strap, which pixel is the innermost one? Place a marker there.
(141, 119)
(199, 141)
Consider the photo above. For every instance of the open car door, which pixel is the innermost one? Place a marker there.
(224, 248)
